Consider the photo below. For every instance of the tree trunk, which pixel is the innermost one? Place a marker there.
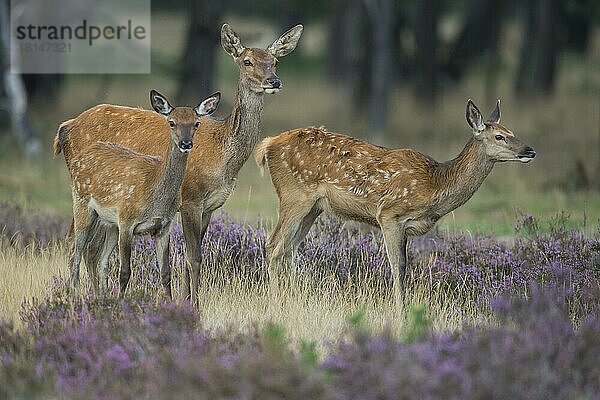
(480, 32)
(14, 89)
(382, 14)
(348, 46)
(426, 62)
(546, 46)
(537, 68)
(577, 17)
(288, 14)
(197, 76)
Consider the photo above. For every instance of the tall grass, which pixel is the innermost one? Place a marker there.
(482, 318)
(27, 272)
(307, 309)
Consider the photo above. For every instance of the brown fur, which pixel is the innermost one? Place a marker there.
(400, 190)
(220, 149)
(130, 193)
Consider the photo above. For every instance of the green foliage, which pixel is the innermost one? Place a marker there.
(418, 324)
(308, 353)
(273, 338)
(357, 321)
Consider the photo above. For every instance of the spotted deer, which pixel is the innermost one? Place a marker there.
(402, 191)
(131, 193)
(213, 166)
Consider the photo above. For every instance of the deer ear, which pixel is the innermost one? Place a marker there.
(231, 42)
(160, 104)
(474, 118)
(495, 114)
(286, 42)
(209, 105)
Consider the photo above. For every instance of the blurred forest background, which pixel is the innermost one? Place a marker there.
(395, 72)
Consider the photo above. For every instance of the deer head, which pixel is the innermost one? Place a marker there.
(500, 143)
(258, 67)
(183, 120)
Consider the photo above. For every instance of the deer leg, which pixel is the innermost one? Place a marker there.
(289, 226)
(81, 229)
(194, 229)
(125, 239)
(305, 225)
(162, 256)
(110, 242)
(93, 250)
(395, 239)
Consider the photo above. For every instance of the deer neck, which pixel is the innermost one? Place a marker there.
(458, 179)
(245, 129)
(168, 183)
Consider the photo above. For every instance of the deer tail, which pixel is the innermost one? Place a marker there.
(260, 154)
(61, 137)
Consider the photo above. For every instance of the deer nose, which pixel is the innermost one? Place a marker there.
(529, 152)
(274, 82)
(186, 145)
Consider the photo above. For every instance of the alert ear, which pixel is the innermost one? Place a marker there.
(231, 41)
(209, 105)
(286, 42)
(474, 118)
(495, 114)
(160, 104)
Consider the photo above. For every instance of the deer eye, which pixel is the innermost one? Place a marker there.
(247, 63)
(171, 123)
(499, 137)
(197, 124)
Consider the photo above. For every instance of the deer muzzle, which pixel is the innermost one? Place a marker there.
(273, 85)
(526, 155)
(185, 146)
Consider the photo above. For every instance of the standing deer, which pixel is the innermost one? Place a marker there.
(131, 193)
(212, 167)
(402, 191)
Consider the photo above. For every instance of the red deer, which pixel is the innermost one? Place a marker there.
(402, 191)
(131, 193)
(223, 145)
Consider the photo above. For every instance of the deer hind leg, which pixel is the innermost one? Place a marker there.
(83, 219)
(110, 242)
(164, 262)
(305, 225)
(93, 250)
(395, 238)
(125, 240)
(295, 219)
(194, 229)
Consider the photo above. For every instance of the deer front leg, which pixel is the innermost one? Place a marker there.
(195, 225)
(125, 239)
(394, 236)
(162, 256)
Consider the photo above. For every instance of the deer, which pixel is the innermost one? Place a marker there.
(212, 168)
(401, 191)
(131, 193)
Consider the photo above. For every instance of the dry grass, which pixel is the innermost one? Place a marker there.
(27, 273)
(307, 310)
